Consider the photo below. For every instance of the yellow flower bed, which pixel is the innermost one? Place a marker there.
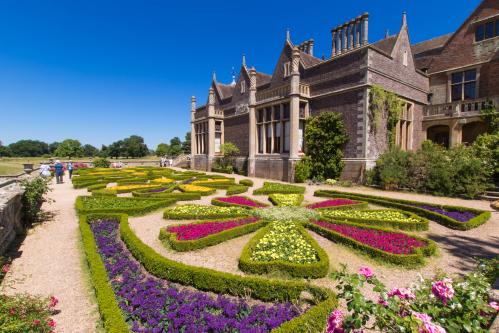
(162, 180)
(127, 188)
(139, 174)
(194, 188)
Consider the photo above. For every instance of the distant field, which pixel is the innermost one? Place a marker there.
(14, 165)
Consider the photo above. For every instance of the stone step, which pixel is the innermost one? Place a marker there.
(492, 193)
(489, 198)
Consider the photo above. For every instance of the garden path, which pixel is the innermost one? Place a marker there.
(50, 262)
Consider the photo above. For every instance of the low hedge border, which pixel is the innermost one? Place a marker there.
(417, 226)
(170, 238)
(406, 260)
(358, 205)
(178, 196)
(217, 202)
(99, 186)
(236, 189)
(277, 203)
(187, 216)
(145, 192)
(203, 193)
(246, 182)
(480, 218)
(314, 271)
(134, 211)
(215, 185)
(268, 290)
(104, 192)
(112, 317)
(269, 188)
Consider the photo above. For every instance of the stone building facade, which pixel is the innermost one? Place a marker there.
(264, 115)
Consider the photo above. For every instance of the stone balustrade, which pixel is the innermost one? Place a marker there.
(458, 108)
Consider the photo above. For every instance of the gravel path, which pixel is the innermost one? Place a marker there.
(50, 262)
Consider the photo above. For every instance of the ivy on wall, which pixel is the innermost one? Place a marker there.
(490, 116)
(385, 104)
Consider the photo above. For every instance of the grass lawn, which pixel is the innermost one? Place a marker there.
(14, 165)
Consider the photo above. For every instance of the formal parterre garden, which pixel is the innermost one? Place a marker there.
(140, 290)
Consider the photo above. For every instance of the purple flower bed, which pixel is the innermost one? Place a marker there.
(332, 203)
(157, 190)
(200, 230)
(453, 214)
(153, 305)
(391, 242)
(243, 201)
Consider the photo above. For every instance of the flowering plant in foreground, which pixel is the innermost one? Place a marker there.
(392, 242)
(24, 313)
(154, 305)
(242, 201)
(332, 203)
(200, 230)
(433, 306)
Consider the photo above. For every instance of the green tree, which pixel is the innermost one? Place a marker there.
(186, 145)
(116, 149)
(5, 151)
(53, 147)
(104, 151)
(134, 146)
(325, 138)
(69, 148)
(175, 146)
(29, 148)
(90, 151)
(163, 149)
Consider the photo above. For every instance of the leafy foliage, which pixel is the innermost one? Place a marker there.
(69, 148)
(32, 199)
(24, 313)
(101, 163)
(385, 104)
(302, 169)
(491, 117)
(325, 137)
(28, 148)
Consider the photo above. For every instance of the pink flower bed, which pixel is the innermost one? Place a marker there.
(332, 203)
(200, 230)
(391, 242)
(243, 201)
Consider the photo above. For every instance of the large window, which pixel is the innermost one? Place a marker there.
(273, 129)
(403, 130)
(202, 138)
(487, 30)
(218, 136)
(463, 85)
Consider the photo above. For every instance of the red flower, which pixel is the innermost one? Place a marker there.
(5, 268)
(36, 322)
(53, 301)
(12, 311)
(52, 323)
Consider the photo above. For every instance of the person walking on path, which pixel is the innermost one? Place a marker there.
(44, 170)
(70, 169)
(59, 171)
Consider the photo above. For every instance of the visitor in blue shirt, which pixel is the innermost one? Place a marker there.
(70, 169)
(59, 171)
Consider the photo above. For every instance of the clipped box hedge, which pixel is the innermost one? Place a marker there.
(139, 206)
(187, 188)
(407, 260)
(217, 212)
(314, 270)
(246, 182)
(210, 240)
(480, 218)
(421, 225)
(269, 188)
(146, 192)
(236, 189)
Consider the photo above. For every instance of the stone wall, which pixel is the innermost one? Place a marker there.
(10, 215)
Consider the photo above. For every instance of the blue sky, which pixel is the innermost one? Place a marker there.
(99, 71)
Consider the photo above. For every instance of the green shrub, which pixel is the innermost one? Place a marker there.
(246, 182)
(269, 188)
(236, 189)
(32, 199)
(98, 186)
(325, 138)
(303, 170)
(393, 168)
(18, 313)
(101, 163)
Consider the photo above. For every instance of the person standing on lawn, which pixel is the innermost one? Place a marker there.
(70, 169)
(59, 171)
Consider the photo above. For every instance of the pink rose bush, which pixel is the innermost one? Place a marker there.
(437, 305)
(200, 230)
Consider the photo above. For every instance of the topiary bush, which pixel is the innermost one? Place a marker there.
(101, 163)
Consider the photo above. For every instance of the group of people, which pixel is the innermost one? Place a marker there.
(58, 168)
(165, 162)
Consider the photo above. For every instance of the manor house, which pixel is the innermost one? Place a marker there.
(443, 83)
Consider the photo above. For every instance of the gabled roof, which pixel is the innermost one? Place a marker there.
(386, 45)
(430, 44)
(262, 78)
(309, 60)
(225, 90)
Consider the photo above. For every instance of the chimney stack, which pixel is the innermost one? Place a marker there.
(311, 43)
(349, 36)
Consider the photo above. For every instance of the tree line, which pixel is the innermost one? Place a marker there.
(131, 147)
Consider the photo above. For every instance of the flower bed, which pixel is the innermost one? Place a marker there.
(385, 218)
(152, 192)
(194, 212)
(461, 216)
(162, 180)
(269, 188)
(131, 206)
(414, 206)
(188, 237)
(129, 188)
(240, 201)
(338, 203)
(395, 247)
(313, 320)
(154, 304)
(286, 200)
(189, 188)
(286, 247)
